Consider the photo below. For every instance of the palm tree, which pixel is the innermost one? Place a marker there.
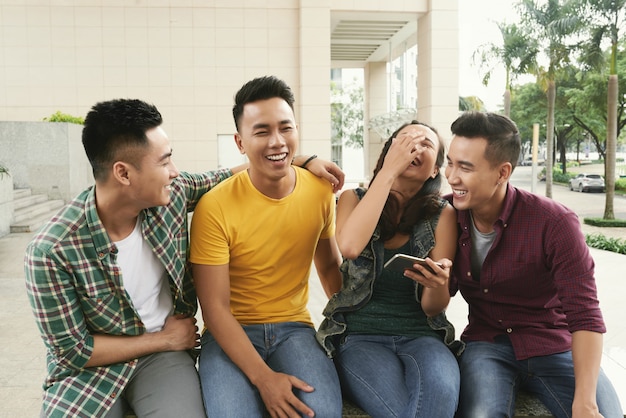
(517, 52)
(470, 103)
(606, 19)
(551, 23)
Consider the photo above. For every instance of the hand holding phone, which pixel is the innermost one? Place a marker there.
(401, 262)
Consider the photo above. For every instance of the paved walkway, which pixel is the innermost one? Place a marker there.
(22, 360)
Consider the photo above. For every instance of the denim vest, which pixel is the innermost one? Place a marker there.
(358, 282)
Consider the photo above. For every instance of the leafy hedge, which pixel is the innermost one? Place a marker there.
(59, 116)
(609, 223)
(601, 242)
(560, 177)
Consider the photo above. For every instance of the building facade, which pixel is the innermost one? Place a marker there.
(189, 57)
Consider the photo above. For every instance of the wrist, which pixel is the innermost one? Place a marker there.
(308, 160)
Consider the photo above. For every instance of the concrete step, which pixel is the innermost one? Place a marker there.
(27, 201)
(31, 211)
(37, 209)
(20, 193)
(31, 224)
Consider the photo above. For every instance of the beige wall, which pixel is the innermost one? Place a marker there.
(189, 57)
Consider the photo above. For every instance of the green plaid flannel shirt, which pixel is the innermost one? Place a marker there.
(75, 290)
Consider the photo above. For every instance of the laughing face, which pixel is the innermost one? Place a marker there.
(268, 135)
(475, 182)
(423, 165)
(151, 180)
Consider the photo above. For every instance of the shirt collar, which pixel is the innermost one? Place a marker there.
(509, 204)
(103, 245)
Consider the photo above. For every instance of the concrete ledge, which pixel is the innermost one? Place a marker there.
(526, 406)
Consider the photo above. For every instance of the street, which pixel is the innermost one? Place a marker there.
(586, 205)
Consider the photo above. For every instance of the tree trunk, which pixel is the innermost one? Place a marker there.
(550, 136)
(611, 145)
(507, 103)
(563, 157)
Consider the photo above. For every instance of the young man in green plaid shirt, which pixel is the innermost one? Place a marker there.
(108, 279)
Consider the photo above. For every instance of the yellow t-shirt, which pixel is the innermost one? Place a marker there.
(268, 243)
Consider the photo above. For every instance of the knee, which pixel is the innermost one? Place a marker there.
(324, 403)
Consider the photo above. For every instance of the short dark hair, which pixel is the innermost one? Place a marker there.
(423, 205)
(261, 88)
(113, 127)
(501, 133)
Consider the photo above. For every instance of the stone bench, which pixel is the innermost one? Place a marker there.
(526, 406)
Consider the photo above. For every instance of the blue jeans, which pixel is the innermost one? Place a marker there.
(491, 376)
(289, 348)
(391, 376)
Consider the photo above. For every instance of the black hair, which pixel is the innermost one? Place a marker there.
(423, 205)
(113, 127)
(261, 88)
(501, 133)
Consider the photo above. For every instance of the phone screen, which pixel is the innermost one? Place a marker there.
(401, 262)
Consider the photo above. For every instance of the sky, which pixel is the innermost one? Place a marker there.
(477, 26)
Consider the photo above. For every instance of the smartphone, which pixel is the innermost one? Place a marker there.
(401, 262)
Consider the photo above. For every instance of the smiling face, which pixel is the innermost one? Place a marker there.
(424, 165)
(151, 178)
(476, 183)
(268, 135)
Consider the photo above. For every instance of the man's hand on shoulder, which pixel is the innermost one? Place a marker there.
(323, 169)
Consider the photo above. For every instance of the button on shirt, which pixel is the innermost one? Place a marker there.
(75, 289)
(537, 282)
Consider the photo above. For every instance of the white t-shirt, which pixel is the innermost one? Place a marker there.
(145, 280)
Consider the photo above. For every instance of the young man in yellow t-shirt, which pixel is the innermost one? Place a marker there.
(252, 243)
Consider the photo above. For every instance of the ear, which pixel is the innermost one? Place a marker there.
(504, 172)
(435, 172)
(121, 173)
(239, 143)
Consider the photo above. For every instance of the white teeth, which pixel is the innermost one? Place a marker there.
(277, 157)
(459, 192)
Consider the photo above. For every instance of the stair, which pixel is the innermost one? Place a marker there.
(31, 211)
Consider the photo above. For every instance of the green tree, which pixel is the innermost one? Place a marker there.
(552, 23)
(471, 103)
(528, 106)
(606, 17)
(517, 54)
(347, 114)
(588, 101)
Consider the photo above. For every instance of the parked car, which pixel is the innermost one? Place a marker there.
(587, 183)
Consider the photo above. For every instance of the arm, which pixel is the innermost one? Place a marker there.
(62, 321)
(276, 389)
(573, 273)
(178, 334)
(436, 294)
(586, 355)
(323, 169)
(356, 220)
(327, 261)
